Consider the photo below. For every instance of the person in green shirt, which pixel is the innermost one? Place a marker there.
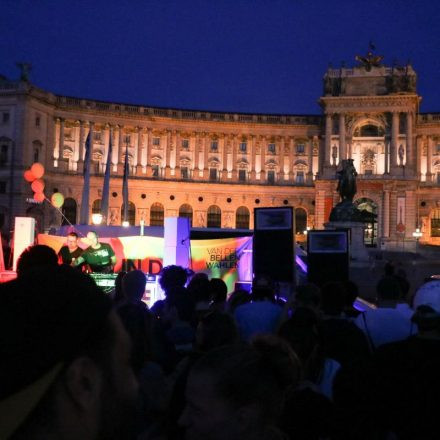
(99, 256)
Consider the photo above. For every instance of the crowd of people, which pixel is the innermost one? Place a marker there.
(77, 363)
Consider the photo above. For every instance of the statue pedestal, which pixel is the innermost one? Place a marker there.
(358, 251)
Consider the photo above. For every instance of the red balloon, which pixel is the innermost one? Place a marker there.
(28, 176)
(37, 185)
(39, 197)
(37, 170)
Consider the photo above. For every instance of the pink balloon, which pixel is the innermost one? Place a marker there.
(37, 170)
(28, 176)
(39, 197)
(37, 186)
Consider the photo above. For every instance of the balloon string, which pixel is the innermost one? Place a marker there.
(65, 218)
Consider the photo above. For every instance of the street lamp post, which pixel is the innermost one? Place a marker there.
(417, 234)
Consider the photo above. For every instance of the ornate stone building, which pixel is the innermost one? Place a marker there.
(217, 167)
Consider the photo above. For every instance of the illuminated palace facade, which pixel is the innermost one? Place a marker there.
(217, 167)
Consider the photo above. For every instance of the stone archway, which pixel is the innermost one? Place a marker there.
(369, 212)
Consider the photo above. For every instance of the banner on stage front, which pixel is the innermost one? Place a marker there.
(227, 258)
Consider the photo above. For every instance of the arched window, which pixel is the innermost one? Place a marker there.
(371, 130)
(96, 207)
(156, 214)
(69, 211)
(368, 210)
(300, 220)
(214, 217)
(131, 213)
(187, 212)
(242, 218)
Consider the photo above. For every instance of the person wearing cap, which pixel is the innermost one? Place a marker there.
(65, 370)
(406, 373)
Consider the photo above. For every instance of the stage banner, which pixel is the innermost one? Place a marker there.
(139, 252)
(226, 258)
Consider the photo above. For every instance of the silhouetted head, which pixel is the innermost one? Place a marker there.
(133, 285)
(34, 256)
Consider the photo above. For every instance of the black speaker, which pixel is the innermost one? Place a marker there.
(327, 256)
(273, 252)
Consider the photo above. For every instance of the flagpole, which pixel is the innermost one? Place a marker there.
(106, 185)
(84, 213)
(125, 185)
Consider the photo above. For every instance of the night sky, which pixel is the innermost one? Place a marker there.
(228, 55)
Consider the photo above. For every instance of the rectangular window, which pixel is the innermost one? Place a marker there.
(156, 141)
(300, 148)
(155, 170)
(97, 136)
(184, 172)
(271, 177)
(2, 187)
(214, 146)
(185, 143)
(300, 177)
(213, 174)
(242, 175)
(127, 139)
(271, 148)
(3, 155)
(243, 147)
(437, 149)
(37, 121)
(5, 117)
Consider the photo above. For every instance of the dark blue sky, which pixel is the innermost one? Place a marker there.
(233, 55)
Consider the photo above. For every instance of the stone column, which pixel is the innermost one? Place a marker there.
(253, 156)
(418, 155)
(310, 160)
(174, 153)
(410, 157)
(138, 151)
(140, 148)
(386, 214)
(328, 140)
(225, 157)
(386, 156)
(56, 146)
(148, 151)
(121, 147)
(394, 141)
(59, 148)
(291, 158)
(92, 135)
(76, 149)
(263, 159)
(196, 155)
(166, 154)
(281, 160)
(429, 160)
(115, 149)
(107, 133)
(234, 158)
(205, 157)
(342, 140)
(82, 151)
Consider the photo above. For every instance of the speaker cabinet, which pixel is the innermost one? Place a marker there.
(24, 236)
(327, 256)
(273, 251)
